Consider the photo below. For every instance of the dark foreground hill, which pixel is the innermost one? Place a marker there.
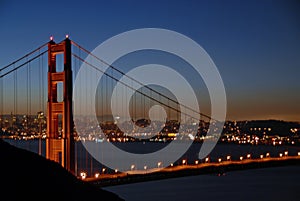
(27, 176)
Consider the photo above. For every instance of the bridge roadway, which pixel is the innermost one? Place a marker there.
(218, 168)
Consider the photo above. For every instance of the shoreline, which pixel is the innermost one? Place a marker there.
(218, 169)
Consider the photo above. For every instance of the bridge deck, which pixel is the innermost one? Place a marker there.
(218, 168)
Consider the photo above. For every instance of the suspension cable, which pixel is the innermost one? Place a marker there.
(23, 64)
(130, 87)
(37, 49)
(140, 83)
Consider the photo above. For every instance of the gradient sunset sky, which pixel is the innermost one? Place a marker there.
(254, 44)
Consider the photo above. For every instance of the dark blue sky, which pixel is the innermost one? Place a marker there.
(254, 44)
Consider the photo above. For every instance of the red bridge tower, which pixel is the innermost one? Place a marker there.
(60, 136)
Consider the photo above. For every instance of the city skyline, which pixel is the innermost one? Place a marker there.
(254, 44)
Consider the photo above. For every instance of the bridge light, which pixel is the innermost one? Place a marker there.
(67, 36)
(196, 162)
(228, 157)
(280, 154)
(241, 158)
(83, 175)
(97, 175)
(51, 38)
(219, 160)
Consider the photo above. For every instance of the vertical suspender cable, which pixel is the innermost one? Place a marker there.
(141, 106)
(15, 101)
(106, 96)
(42, 99)
(27, 95)
(110, 89)
(1, 102)
(135, 111)
(80, 111)
(39, 118)
(40, 84)
(29, 89)
(90, 103)
(75, 141)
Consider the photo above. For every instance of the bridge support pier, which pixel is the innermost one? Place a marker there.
(60, 136)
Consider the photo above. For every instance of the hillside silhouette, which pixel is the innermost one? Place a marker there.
(27, 176)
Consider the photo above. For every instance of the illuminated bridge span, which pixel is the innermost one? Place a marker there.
(36, 103)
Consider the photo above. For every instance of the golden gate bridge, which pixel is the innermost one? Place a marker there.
(36, 103)
(36, 98)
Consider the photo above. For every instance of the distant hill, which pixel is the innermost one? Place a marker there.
(277, 127)
(28, 176)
